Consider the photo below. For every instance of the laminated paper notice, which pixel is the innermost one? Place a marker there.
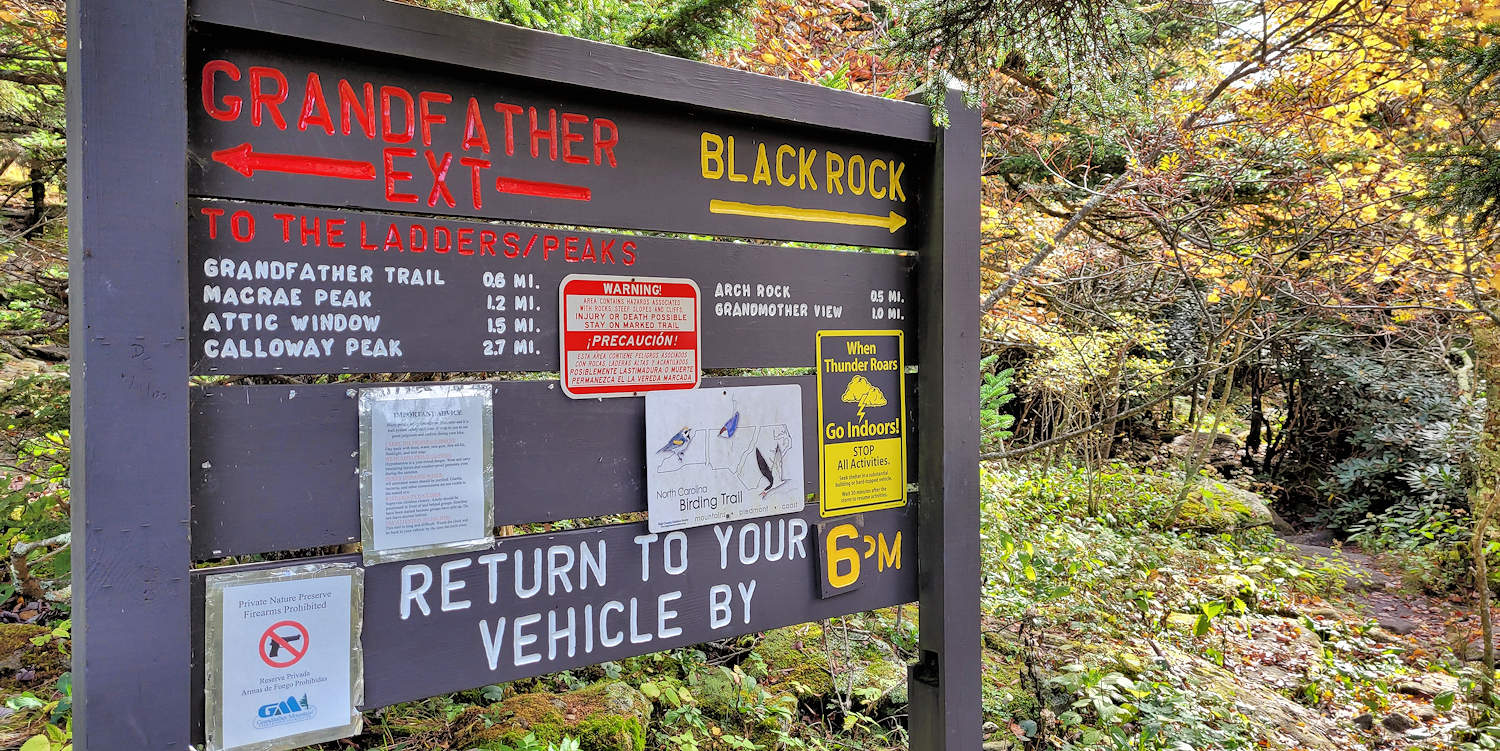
(283, 665)
(427, 470)
(625, 336)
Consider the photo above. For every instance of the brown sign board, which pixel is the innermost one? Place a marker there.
(279, 121)
(399, 190)
(678, 589)
(291, 452)
(539, 604)
(283, 289)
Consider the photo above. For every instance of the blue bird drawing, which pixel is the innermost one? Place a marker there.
(730, 426)
(679, 443)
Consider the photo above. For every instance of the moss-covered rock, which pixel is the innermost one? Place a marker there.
(1219, 507)
(719, 696)
(795, 663)
(1003, 698)
(875, 673)
(25, 664)
(1281, 722)
(859, 664)
(608, 716)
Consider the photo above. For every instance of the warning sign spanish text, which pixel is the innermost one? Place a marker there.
(624, 336)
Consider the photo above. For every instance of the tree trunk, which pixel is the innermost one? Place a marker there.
(38, 215)
(1197, 457)
(1485, 494)
(1192, 419)
(1257, 417)
(1112, 398)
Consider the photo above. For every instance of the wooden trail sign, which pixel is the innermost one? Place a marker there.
(367, 187)
(277, 120)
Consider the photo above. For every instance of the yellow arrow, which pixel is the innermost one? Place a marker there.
(892, 222)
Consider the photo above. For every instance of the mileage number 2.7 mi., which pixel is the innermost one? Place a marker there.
(517, 298)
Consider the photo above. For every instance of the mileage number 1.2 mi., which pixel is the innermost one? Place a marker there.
(510, 294)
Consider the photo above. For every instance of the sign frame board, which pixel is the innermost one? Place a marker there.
(555, 155)
(497, 286)
(135, 103)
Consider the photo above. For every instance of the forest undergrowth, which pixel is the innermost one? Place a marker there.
(1101, 629)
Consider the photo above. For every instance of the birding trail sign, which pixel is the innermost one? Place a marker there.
(626, 335)
(861, 421)
(344, 189)
(716, 455)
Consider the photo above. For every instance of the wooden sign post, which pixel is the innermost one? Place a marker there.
(356, 187)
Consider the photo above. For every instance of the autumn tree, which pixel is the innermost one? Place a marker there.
(1465, 192)
(682, 28)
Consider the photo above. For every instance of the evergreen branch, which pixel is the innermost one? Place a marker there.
(691, 28)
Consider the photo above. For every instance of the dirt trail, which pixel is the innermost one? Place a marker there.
(1431, 631)
(1434, 629)
(1378, 591)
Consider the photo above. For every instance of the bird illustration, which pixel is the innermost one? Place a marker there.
(765, 471)
(731, 425)
(679, 443)
(778, 459)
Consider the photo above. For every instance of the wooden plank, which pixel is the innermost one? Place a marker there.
(553, 58)
(488, 297)
(267, 121)
(127, 192)
(945, 698)
(290, 453)
(767, 571)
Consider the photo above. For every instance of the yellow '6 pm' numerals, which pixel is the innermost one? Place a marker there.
(844, 562)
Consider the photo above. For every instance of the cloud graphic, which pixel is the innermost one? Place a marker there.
(860, 391)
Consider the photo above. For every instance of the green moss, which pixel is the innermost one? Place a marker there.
(717, 694)
(609, 731)
(1216, 506)
(1002, 698)
(18, 653)
(603, 717)
(879, 677)
(789, 660)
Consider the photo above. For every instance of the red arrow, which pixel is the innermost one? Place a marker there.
(543, 189)
(244, 160)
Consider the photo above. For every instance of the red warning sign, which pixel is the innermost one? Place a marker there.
(283, 644)
(624, 336)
